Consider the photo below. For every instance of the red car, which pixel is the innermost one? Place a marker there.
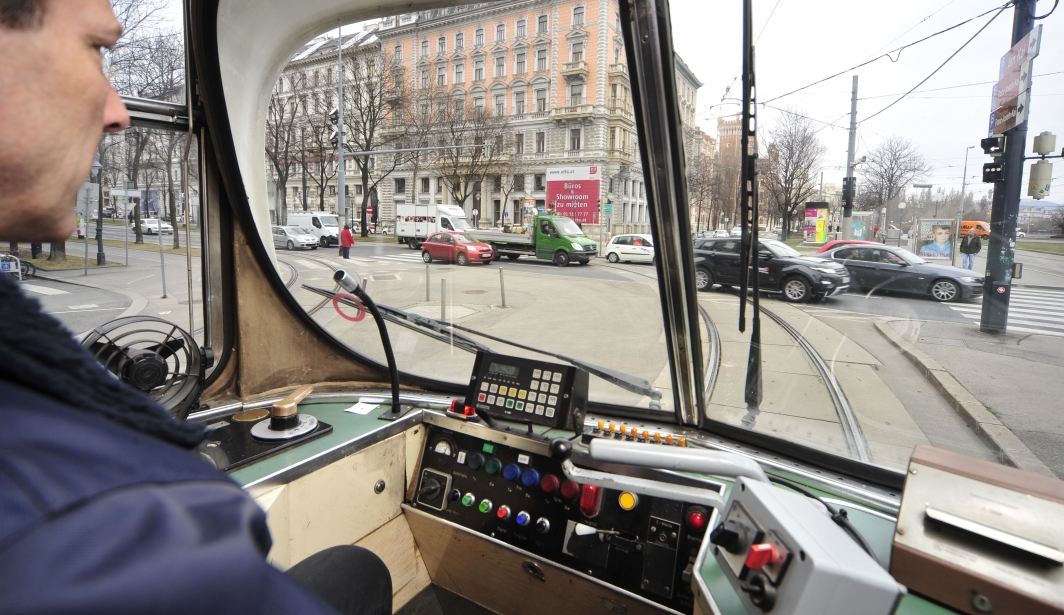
(451, 246)
(835, 243)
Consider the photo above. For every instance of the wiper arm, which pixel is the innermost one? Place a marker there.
(445, 333)
(415, 323)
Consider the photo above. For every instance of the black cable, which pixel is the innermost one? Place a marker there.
(1050, 11)
(902, 97)
(839, 516)
(887, 54)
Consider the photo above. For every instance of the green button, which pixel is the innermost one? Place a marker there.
(493, 466)
(468, 499)
(520, 405)
(488, 448)
(476, 461)
(509, 403)
(485, 506)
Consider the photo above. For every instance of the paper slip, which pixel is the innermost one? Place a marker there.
(363, 407)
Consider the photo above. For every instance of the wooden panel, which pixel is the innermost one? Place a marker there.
(394, 544)
(275, 503)
(491, 575)
(415, 445)
(337, 506)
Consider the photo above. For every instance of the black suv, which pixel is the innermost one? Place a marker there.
(800, 277)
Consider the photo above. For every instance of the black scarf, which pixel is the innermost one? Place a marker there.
(40, 354)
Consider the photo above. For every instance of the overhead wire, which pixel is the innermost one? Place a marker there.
(953, 87)
(954, 54)
(899, 50)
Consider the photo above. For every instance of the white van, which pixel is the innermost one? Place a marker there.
(413, 223)
(326, 227)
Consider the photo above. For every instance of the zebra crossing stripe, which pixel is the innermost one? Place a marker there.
(1030, 311)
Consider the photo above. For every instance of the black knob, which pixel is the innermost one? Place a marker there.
(560, 449)
(429, 488)
(730, 535)
(542, 525)
(761, 593)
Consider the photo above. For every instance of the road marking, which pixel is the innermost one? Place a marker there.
(139, 279)
(81, 311)
(82, 307)
(44, 290)
(1035, 311)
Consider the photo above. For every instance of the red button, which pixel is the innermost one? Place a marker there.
(761, 555)
(590, 500)
(570, 489)
(696, 519)
(549, 484)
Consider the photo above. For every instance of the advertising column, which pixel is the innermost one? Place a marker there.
(816, 222)
(575, 192)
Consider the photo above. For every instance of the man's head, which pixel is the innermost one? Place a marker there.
(971, 231)
(56, 102)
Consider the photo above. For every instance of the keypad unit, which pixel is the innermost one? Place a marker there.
(521, 389)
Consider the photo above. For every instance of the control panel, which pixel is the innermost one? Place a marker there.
(783, 554)
(641, 544)
(528, 390)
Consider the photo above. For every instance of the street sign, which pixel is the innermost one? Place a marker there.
(1026, 49)
(1009, 115)
(607, 208)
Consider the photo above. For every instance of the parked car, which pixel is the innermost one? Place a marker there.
(151, 226)
(457, 247)
(836, 243)
(292, 237)
(782, 269)
(634, 248)
(1020, 234)
(737, 231)
(886, 268)
(721, 233)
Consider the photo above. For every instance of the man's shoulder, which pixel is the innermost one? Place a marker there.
(54, 457)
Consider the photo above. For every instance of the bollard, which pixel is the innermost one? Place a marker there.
(365, 285)
(502, 287)
(426, 282)
(443, 300)
(162, 263)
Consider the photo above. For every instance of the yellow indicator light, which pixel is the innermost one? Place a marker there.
(628, 501)
(601, 425)
(657, 437)
(668, 439)
(683, 441)
(624, 429)
(646, 435)
(613, 428)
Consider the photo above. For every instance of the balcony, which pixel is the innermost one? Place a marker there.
(618, 70)
(573, 112)
(623, 114)
(620, 155)
(575, 69)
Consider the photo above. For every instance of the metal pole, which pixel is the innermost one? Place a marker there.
(162, 265)
(125, 223)
(960, 211)
(443, 300)
(427, 289)
(847, 199)
(341, 204)
(1001, 248)
(101, 258)
(502, 287)
(85, 263)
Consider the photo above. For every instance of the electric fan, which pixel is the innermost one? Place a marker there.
(154, 356)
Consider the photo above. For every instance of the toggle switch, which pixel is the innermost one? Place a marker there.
(761, 555)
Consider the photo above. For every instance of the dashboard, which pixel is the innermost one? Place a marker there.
(516, 493)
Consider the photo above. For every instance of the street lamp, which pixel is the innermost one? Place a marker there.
(101, 258)
(901, 218)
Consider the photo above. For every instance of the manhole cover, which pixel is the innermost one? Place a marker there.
(382, 277)
(473, 292)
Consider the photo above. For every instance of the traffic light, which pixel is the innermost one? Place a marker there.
(849, 191)
(334, 119)
(993, 172)
(993, 146)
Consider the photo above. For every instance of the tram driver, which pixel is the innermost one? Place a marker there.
(103, 508)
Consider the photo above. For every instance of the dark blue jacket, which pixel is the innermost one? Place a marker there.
(96, 517)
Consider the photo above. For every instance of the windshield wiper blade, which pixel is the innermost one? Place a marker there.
(414, 323)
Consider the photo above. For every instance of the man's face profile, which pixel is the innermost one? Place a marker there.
(56, 102)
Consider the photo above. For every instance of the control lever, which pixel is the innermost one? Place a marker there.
(285, 422)
(700, 461)
(561, 450)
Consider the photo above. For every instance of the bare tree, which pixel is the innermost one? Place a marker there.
(320, 164)
(369, 91)
(891, 167)
(484, 137)
(793, 164)
(1056, 219)
(702, 186)
(280, 146)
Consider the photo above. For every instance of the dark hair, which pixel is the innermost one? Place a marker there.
(21, 14)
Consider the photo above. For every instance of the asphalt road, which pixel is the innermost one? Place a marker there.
(79, 308)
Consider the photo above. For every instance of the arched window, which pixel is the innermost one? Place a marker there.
(578, 16)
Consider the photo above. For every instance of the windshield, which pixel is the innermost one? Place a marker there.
(460, 238)
(780, 249)
(567, 227)
(562, 144)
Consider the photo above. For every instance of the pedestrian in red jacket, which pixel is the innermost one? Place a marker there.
(347, 239)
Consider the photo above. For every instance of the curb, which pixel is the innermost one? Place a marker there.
(1009, 447)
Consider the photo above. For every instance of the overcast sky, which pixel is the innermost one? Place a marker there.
(803, 42)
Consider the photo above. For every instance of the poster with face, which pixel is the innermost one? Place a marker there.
(861, 225)
(934, 240)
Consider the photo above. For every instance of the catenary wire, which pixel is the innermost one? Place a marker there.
(887, 54)
(953, 55)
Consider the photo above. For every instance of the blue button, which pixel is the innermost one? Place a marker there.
(530, 478)
(523, 518)
(512, 471)
(454, 495)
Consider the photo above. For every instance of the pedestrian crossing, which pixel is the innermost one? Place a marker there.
(1030, 311)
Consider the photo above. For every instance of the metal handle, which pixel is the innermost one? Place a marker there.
(701, 461)
(290, 405)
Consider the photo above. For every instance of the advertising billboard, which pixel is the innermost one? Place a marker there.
(816, 222)
(934, 239)
(861, 225)
(575, 192)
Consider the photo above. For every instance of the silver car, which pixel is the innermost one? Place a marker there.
(293, 237)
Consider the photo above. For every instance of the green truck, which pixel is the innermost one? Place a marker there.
(554, 238)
